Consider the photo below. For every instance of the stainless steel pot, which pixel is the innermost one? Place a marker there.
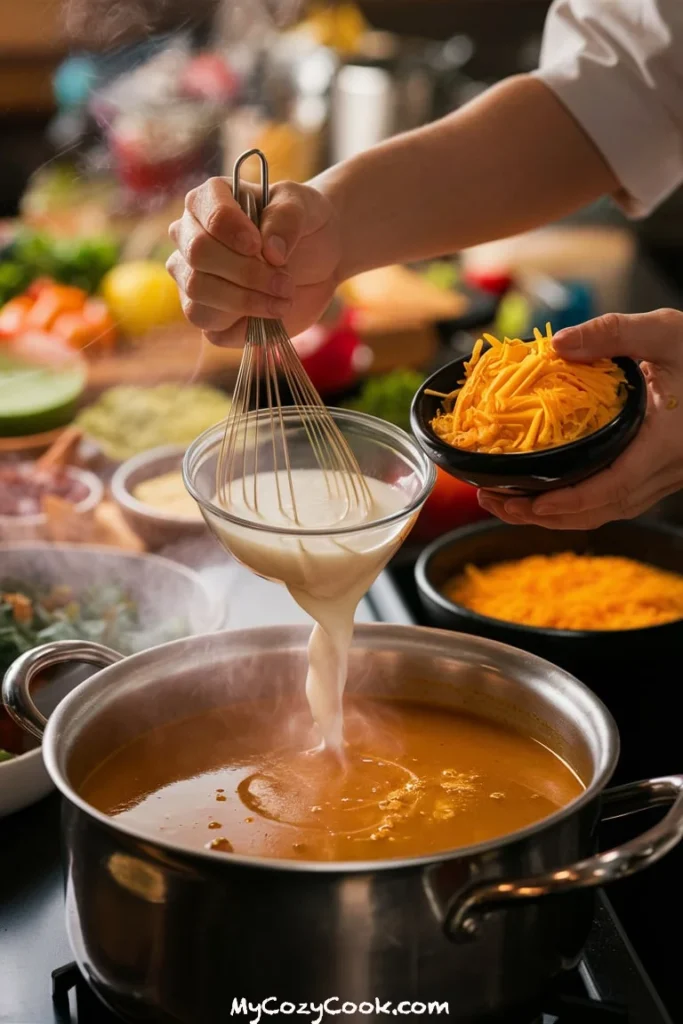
(170, 935)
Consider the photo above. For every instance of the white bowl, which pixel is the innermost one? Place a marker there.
(28, 528)
(156, 528)
(163, 588)
(23, 781)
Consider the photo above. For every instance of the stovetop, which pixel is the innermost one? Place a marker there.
(610, 986)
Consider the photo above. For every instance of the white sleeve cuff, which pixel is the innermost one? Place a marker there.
(640, 145)
(617, 71)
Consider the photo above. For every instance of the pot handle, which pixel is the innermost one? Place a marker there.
(463, 915)
(16, 686)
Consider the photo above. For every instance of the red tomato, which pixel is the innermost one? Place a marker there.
(330, 355)
(452, 503)
(38, 286)
(13, 315)
(44, 349)
(96, 313)
(74, 330)
(51, 303)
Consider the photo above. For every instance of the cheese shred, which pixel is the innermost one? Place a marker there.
(522, 397)
(571, 591)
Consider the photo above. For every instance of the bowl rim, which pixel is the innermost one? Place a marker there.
(381, 427)
(87, 504)
(216, 620)
(527, 461)
(426, 587)
(22, 757)
(123, 496)
(67, 548)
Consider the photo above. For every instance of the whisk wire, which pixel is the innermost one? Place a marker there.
(276, 410)
(268, 358)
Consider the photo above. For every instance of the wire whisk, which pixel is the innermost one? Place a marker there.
(257, 427)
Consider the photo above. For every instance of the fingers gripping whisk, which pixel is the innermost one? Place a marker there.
(260, 437)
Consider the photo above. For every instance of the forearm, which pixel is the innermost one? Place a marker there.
(509, 161)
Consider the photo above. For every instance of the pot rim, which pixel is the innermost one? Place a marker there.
(101, 678)
(489, 526)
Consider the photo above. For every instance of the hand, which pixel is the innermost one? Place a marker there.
(651, 468)
(226, 271)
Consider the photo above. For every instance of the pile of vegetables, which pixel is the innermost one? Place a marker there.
(61, 311)
(74, 290)
(31, 615)
(80, 262)
(452, 503)
(47, 287)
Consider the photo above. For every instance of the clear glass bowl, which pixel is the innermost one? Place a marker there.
(284, 553)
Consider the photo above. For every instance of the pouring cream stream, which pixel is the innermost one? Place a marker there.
(327, 574)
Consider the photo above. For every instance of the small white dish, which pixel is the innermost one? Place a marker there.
(23, 781)
(163, 590)
(36, 527)
(156, 528)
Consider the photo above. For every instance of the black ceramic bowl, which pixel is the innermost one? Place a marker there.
(528, 472)
(636, 672)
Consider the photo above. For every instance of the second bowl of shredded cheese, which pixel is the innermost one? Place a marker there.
(605, 605)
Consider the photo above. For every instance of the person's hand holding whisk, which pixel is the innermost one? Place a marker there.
(227, 271)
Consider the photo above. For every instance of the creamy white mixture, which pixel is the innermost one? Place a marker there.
(327, 575)
(167, 493)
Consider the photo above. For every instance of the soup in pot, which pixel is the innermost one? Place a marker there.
(413, 779)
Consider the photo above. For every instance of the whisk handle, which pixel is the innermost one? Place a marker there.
(246, 200)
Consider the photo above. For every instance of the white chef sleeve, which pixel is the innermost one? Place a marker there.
(617, 66)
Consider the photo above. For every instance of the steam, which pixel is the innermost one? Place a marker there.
(108, 25)
(111, 25)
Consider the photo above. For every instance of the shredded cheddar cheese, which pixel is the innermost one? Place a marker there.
(522, 397)
(571, 591)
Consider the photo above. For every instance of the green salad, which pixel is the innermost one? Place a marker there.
(31, 615)
(81, 262)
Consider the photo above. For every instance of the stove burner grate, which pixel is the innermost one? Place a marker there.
(563, 1008)
(89, 1009)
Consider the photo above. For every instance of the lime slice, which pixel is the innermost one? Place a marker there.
(35, 398)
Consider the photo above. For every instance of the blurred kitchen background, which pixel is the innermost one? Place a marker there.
(111, 111)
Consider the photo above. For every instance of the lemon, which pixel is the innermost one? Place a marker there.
(141, 296)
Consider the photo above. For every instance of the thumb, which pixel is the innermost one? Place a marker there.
(282, 224)
(655, 337)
